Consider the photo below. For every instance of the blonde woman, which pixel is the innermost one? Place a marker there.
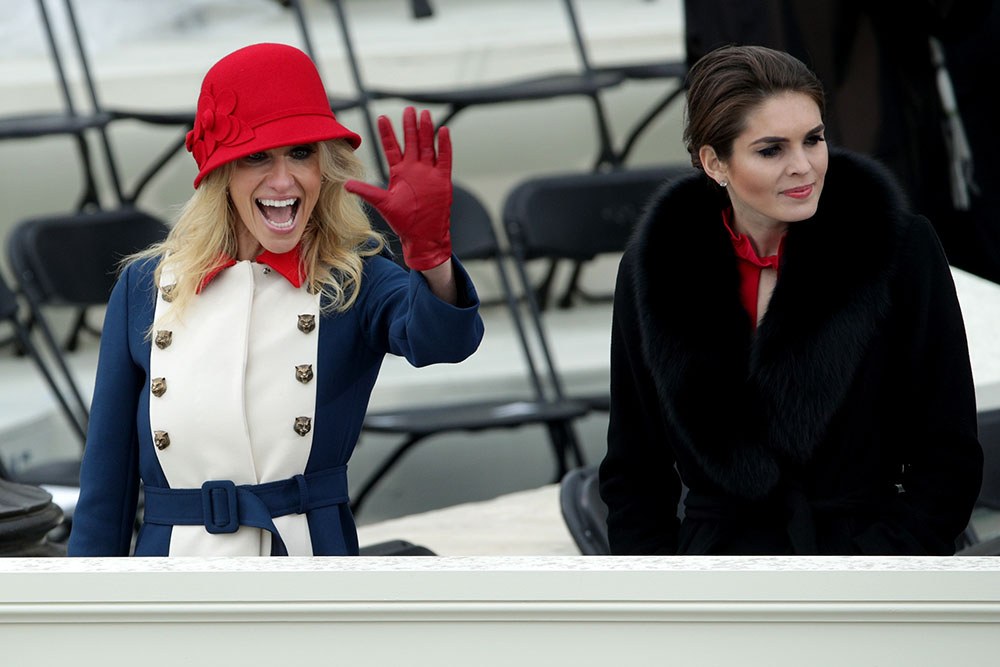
(239, 355)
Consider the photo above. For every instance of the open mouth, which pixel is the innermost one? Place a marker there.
(279, 214)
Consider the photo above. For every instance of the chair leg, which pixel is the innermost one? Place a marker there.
(574, 445)
(53, 345)
(80, 324)
(572, 287)
(543, 291)
(382, 471)
(560, 440)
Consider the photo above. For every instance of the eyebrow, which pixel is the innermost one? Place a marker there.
(778, 140)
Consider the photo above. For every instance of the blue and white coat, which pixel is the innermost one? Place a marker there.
(230, 405)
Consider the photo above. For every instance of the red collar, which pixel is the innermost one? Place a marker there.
(287, 264)
(744, 249)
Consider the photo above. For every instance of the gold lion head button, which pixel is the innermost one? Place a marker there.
(304, 373)
(161, 439)
(158, 386)
(307, 323)
(164, 339)
(302, 425)
(168, 292)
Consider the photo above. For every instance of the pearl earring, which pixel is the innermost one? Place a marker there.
(723, 183)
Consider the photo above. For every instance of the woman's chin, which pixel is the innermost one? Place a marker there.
(281, 245)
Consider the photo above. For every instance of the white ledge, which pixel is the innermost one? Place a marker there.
(498, 610)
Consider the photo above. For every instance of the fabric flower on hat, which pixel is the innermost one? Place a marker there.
(216, 125)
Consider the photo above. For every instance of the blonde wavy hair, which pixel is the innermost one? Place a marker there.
(336, 239)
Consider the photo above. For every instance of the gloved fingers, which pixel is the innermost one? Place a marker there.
(426, 134)
(411, 139)
(372, 194)
(389, 144)
(444, 151)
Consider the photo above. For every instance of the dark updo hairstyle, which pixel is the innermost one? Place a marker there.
(726, 84)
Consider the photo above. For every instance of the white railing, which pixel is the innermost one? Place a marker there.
(500, 611)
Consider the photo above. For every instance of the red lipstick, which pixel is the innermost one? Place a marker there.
(799, 193)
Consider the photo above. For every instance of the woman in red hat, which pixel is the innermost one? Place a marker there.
(238, 356)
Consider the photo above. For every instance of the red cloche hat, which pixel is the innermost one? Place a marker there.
(257, 98)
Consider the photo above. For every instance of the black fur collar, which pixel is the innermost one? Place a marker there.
(744, 405)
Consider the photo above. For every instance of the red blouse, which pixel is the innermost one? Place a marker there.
(287, 264)
(750, 265)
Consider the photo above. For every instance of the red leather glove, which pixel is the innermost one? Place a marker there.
(417, 204)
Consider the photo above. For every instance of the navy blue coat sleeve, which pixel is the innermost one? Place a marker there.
(401, 315)
(109, 479)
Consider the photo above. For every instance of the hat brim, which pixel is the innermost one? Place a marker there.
(287, 131)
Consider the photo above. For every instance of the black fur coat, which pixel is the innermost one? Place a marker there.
(845, 424)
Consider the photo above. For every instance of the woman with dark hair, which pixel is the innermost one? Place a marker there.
(238, 356)
(787, 344)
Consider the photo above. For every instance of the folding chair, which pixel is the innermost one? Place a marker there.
(546, 86)
(584, 512)
(663, 69)
(27, 516)
(72, 260)
(61, 477)
(9, 312)
(989, 437)
(473, 239)
(971, 543)
(70, 122)
(673, 70)
(576, 217)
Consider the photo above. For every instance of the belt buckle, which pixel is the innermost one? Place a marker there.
(212, 490)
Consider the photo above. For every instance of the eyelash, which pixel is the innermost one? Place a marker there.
(297, 152)
(772, 151)
(303, 152)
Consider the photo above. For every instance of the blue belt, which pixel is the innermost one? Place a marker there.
(222, 507)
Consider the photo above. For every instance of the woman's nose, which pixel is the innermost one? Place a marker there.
(799, 162)
(279, 175)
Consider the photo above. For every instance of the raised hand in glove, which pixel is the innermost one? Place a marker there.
(417, 204)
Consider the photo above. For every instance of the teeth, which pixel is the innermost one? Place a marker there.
(277, 202)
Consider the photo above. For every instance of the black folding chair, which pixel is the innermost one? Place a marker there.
(615, 158)
(674, 70)
(473, 239)
(72, 260)
(583, 511)
(989, 437)
(971, 543)
(56, 473)
(576, 217)
(549, 85)
(10, 313)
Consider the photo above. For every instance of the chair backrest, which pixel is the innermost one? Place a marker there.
(580, 216)
(584, 512)
(73, 259)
